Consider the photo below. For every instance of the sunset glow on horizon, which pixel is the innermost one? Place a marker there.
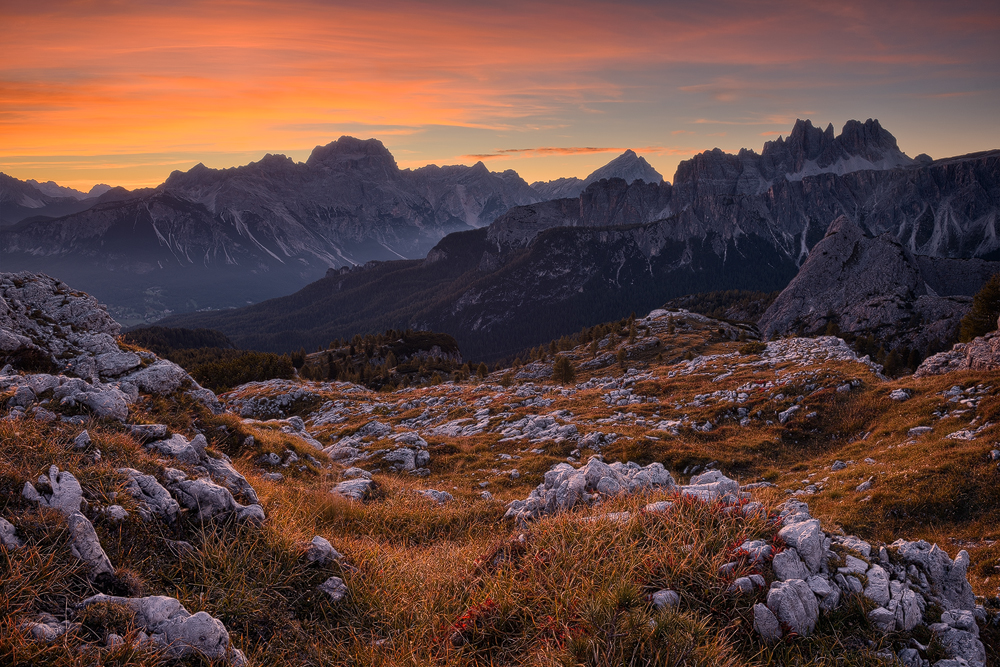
(125, 93)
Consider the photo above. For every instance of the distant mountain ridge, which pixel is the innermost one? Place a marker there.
(221, 238)
(546, 269)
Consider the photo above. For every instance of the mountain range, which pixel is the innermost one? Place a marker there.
(744, 221)
(216, 238)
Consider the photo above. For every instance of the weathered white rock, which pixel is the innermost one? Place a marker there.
(170, 626)
(178, 447)
(360, 489)
(947, 582)
(565, 486)
(710, 486)
(787, 565)
(85, 545)
(766, 624)
(335, 588)
(877, 589)
(60, 491)
(208, 500)
(8, 535)
(807, 538)
(321, 552)
(47, 628)
(960, 644)
(666, 599)
(154, 500)
(440, 497)
(883, 619)
(794, 605)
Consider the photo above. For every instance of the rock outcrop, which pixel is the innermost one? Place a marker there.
(565, 486)
(874, 286)
(979, 354)
(68, 336)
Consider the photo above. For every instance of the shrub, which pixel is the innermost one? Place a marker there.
(752, 347)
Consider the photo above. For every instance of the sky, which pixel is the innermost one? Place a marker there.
(125, 91)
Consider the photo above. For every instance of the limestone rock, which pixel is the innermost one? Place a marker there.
(440, 497)
(666, 599)
(979, 354)
(85, 545)
(947, 583)
(154, 500)
(178, 447)
(321, 552)
(787, 565)
(877, 589)
(766, 623)
(335, 588)
(170, 626)
(807, 538)
(360, 489)
(794, 605)
(565, 486)
(8, 535)
(208, 500)
(60, 491)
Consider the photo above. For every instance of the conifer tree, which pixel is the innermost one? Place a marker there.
(982, 317)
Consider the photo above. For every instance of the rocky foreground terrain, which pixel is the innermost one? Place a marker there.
(691, 497)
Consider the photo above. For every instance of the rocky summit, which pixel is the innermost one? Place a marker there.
(690, 490)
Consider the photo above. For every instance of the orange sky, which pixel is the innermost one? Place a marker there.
(125, 92)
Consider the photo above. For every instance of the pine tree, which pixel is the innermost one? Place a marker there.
(982, 317)
(563, 371)
(482, 370)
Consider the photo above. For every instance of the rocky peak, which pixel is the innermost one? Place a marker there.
(364, 156)
(868, 140)
(629, 167)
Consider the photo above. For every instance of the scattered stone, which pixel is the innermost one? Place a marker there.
(321, 552)
(440, 497)
(335, 588)
(360, 489)
(565, 486)
(85, 545)
(81, 441)
(208, 500)
(807, 538)
(60, 491)
(899, 395)
(8, 535)
(766, 623)
(794, 605)
(666, 599)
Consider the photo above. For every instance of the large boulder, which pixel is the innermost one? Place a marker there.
(207, 500)
(180, 633)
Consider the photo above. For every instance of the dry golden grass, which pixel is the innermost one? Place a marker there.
(455, 584)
